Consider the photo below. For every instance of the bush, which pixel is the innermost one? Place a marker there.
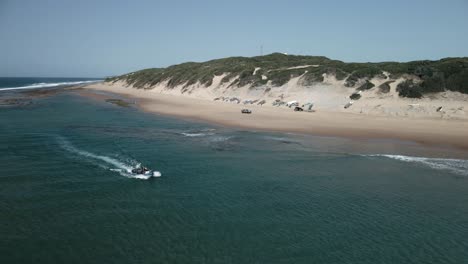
(351, 80)
(250, 79)
(310, 78)
(409, 89)
(366, 86)
(385, 87)
(340, 75)
(281, 77)
(364, 71)
(433, 84)
(355, 96)
(458, 82)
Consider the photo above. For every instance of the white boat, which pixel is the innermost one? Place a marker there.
(143, 172)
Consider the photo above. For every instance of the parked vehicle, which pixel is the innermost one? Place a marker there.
(297, 108)
(246, 111)
(292, 103)
(348, 105)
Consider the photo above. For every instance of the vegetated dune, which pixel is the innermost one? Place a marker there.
(433, 89)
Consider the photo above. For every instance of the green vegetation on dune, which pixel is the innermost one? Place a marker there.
(385, 87)
(366, 86)
(409, 89)
(277, 69)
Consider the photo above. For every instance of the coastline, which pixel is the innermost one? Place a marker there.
(428, 131)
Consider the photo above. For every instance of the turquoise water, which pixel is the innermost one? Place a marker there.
(225, 195)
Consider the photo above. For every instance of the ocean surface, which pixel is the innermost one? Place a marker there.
(225, 195)
(15, 83)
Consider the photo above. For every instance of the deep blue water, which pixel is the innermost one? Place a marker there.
(225, 195)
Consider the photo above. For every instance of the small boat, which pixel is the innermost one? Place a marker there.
(145, 172)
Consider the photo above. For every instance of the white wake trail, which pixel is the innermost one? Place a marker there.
(124, 169)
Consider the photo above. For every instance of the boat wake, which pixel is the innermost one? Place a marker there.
(457, 166)
(123, 168)
(47, 85)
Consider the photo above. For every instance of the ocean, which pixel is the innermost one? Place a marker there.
(16, 83)
(226, 195)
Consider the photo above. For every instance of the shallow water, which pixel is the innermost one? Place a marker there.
(225, 195)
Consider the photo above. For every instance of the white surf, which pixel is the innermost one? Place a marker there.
(457, 166)
(47, 85)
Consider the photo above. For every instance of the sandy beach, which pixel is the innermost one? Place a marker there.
(431, 131)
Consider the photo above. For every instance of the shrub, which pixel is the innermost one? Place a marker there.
(366, 86)
(364, 71)
(409, 89)
(435, 83)
(351, 80)
(310, 78)
(458, 82)
(385, 87)
(249, 79)
(281, 77)
(355, 96)
(340, 74)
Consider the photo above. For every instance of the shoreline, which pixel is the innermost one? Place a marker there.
(441, 133)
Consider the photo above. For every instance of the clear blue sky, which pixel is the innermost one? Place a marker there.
(94, 38)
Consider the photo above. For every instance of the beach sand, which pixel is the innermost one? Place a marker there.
(430, 130)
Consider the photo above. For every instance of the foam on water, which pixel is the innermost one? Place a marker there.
(218, 139)
(457, 166)
(196, 134)
(122, 168)
(47, 85)
(199, 133)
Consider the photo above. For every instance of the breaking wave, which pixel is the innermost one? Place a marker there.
(200, 133)
(218, 139)
(457, 166)
(123, 168)
(196, 134)
(48, 85)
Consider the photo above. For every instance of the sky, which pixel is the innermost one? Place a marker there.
(92, 38)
